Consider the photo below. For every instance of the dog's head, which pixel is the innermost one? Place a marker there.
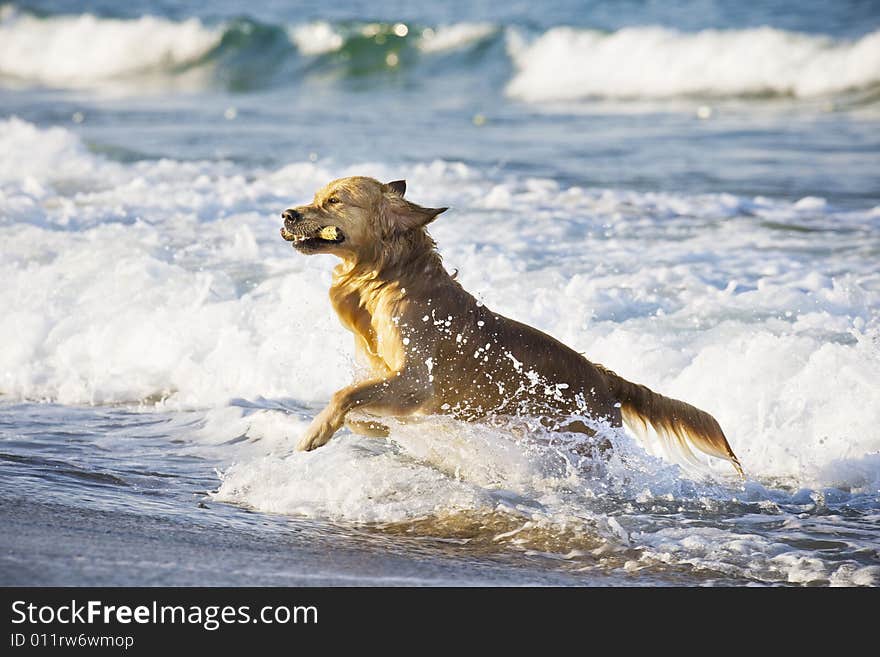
(354, 218)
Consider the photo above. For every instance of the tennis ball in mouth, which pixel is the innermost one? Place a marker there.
(328, 233)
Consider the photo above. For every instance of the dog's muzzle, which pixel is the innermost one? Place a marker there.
(307, 235)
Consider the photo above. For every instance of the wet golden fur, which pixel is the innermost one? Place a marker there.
(430, 347)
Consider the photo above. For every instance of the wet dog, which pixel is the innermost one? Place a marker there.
(432, 348)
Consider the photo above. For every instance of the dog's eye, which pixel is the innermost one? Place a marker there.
(333, 199)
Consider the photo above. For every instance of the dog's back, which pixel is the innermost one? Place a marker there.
(489, 363)
(484, 363)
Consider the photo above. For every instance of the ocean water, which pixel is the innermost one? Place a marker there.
(688, 193)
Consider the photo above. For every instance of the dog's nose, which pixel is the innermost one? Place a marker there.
(291, 215)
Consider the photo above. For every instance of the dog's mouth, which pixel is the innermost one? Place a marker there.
(310, 238)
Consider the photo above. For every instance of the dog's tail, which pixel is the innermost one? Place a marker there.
(679, 425)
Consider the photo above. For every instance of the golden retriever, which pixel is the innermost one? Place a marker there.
(431, 348)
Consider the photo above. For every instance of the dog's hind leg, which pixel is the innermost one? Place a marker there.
(367, 428)
(577, 426)
(591, 446)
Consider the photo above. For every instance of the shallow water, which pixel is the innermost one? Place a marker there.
(713, 237)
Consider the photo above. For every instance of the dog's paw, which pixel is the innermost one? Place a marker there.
(308, 442)
(316, 435)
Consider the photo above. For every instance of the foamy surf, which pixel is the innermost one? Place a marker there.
(566, 63)
(321, 37)
(553, 497)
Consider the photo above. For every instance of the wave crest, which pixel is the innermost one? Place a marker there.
(76, 50)
(565, 64)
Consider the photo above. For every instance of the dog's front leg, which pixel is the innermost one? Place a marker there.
(398, 395)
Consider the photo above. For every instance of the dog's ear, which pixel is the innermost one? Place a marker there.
(398, 186)
(406, 215)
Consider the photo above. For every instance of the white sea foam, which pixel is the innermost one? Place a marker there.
(320, 37)
(453, 37)
(315, 38)
(84, 49)
(566, 63)
(750, 555)
(164, 278)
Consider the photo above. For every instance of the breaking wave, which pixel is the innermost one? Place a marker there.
(560, 64)
(566, 64)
